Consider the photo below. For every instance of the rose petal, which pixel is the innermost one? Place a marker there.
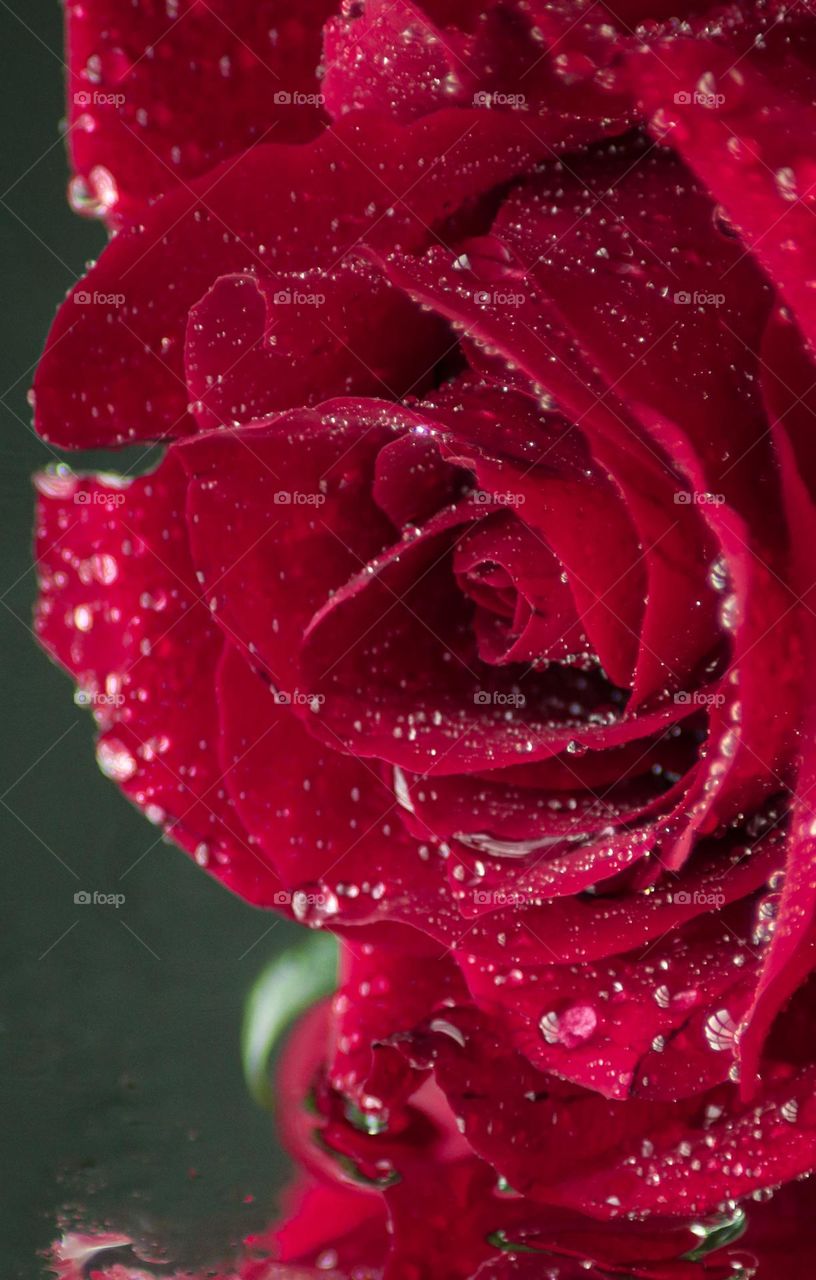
(290, 792)
(119, 609)
(409, 59)
(581, 930)
(160, 92)
(675, 546)
(744, 127)
(791, 956)
(274, 208)
(677, 1159)
(608, 1027)
(255, 346)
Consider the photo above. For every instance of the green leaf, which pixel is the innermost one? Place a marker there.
(286, 988)
(499, 1240)
(716, 1234)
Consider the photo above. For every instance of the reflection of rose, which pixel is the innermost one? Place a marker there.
(370, 1200)
(541, 566)
(418, 1172)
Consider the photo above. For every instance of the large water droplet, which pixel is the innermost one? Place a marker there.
(571, 1027)
(721, 1031)
(313, 904)
(115, 760)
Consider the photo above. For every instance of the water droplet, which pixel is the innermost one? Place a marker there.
(718, 574)
(549, 1027)
(765, 920)
(115, 760)
(83, 617)
(313, 904)
(790, 1110)
(445, 1028)
(571, 1027)
(721, 1031)
(95, 196)
(786, 185)
(730, 612)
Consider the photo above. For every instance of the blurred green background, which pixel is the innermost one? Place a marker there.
(123, 1102)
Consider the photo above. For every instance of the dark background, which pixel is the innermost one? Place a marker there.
(122, 1102)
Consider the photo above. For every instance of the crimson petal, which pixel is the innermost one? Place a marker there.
(409, 59)
(119, 609)
(161, 91)
(744, 127)
(290, 791)
(611, 1029)
(275, 208)
(605, 1158)
(256, 346)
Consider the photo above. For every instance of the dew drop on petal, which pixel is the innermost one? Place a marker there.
(115, 760)
(785, 179)
(721, 1031)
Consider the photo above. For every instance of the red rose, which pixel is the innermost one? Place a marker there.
(470, 604)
